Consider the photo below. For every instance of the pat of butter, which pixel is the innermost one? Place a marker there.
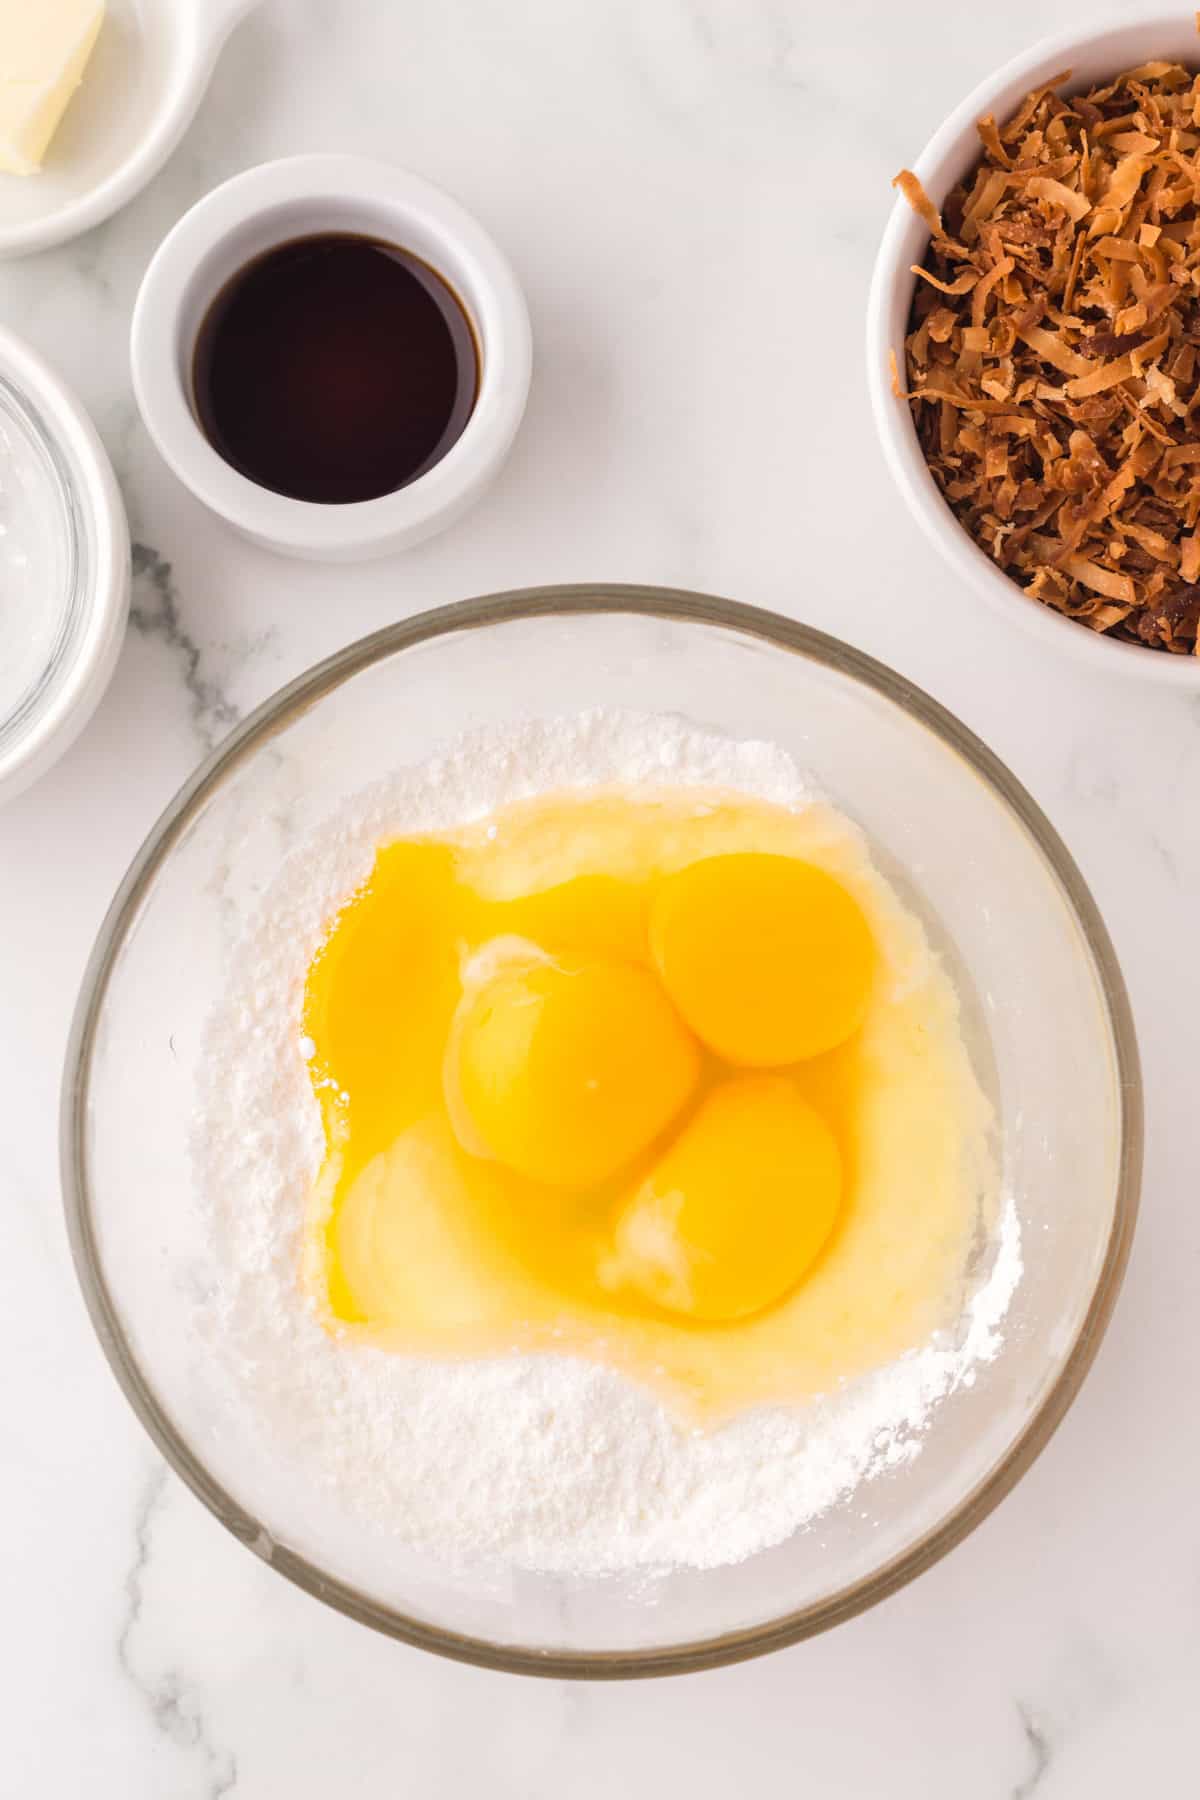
(44, 48)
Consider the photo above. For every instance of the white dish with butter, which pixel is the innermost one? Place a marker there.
(141, 84)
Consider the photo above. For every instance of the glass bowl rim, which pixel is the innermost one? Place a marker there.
(277, 712)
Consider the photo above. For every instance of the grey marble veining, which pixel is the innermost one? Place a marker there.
(1039, 1753)
(174, 1704)
(155, 612)
(691, 192)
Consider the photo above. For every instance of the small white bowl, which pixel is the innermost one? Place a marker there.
(293, 198)
(144, 81)
(952, 150)
(64, 597)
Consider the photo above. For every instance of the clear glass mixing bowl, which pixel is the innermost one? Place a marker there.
(1043, 999)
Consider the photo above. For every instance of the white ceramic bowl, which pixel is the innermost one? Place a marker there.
(146, 76)
(59, 658)
(949, 154)
(270, 205)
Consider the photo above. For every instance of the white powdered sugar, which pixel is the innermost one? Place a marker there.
(532, 1461)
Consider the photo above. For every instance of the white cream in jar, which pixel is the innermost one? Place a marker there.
(35, 558)
(64, 566)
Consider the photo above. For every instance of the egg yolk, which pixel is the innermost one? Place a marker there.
(768, 958)
(566, 1073)
(737, 1209)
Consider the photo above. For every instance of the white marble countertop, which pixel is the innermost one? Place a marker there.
(696, 284)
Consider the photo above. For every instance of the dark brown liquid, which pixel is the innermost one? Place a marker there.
(335, 368)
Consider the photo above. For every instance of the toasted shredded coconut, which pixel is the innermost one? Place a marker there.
(1053, 354)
